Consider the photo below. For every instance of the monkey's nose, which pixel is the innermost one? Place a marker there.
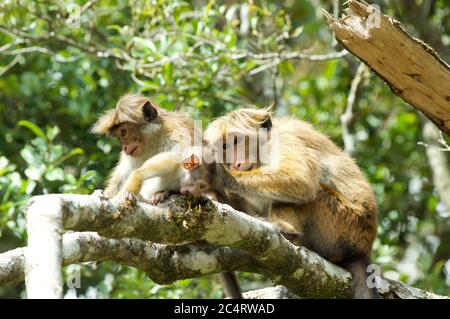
(129, 149)
(236, 166)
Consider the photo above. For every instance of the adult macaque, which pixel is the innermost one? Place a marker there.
(307, 185)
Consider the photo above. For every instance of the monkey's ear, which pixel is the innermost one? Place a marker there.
(149, 111)
(267, 124)
(191, 162)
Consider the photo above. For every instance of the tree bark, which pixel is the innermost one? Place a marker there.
(43, 259)
(411, 68)
(437, 158)
(226, 240)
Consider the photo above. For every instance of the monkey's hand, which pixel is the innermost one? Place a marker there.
(127, 199)
(293, 237)
(288, 232)
(159, 197)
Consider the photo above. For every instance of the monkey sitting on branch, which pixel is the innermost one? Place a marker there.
(300, 180)
(144, 130)
(151, 139)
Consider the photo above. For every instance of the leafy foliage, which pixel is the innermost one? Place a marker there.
(64, 62)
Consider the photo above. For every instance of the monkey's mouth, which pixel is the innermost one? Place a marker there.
(190, 190)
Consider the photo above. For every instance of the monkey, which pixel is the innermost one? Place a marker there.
(309, 186)
(167, 172)
(202, 177)
(145, 130)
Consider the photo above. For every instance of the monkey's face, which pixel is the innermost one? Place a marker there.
(240, 154)
(137, 124)
(196, 182)
(238, 137)
(197, 178)
(131, 138)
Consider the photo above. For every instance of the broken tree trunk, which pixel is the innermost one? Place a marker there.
(412, 69)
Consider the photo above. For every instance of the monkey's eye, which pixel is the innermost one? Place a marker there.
(123, 132)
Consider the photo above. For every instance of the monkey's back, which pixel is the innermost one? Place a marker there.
(341, 221)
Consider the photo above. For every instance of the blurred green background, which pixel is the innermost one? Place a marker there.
(64, 62)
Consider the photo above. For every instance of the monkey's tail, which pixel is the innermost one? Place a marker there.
(357, 266)
(231, 285)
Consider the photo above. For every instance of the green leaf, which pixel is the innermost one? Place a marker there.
(33, 173)
(30, 157)
(87, 176)
(56, 174)
(33, 127)
(76, 151)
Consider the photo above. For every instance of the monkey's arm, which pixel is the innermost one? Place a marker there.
(159, 165)
(113, 185)
(116, 179)
(295, 180)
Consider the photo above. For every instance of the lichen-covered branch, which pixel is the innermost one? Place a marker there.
(164, 264)
(43, 258)
(178, 221)
(167, 263)
(229, 239)
(412, 69)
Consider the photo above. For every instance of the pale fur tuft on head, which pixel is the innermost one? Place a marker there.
(244, 121)
(128, 110)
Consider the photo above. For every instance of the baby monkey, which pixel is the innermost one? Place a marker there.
(201, 177)
(165, 172)
(152, 139)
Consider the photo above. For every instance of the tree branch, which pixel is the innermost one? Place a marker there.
(348, 117)
(230, 240)
(165, 263)
(412, 69)
(437, 158)
(176, 222)
(162, 263)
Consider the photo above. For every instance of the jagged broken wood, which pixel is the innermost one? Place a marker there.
(225, 240)
(412, 69)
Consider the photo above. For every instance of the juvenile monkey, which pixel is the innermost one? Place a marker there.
(310, 187)
(170, 173)
(145, 130)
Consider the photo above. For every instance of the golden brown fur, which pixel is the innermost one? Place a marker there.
(314, 188)
(159, 135)
(159, 138)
